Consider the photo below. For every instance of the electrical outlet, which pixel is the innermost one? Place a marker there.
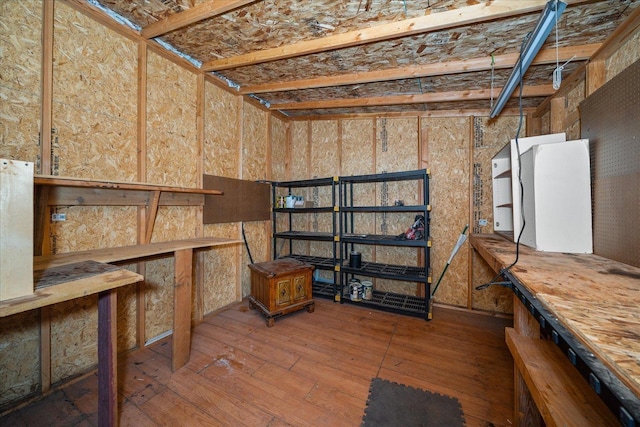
(58, 217)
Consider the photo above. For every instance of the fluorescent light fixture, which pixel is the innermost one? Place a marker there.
(552, 10)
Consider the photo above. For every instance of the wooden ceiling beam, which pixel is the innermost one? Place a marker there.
(409, 113)
(433, 22)
(548, 56)
(190, 16)
(463, 95)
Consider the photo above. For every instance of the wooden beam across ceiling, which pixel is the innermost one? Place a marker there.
(190, 16)
(467, 15)
(548, 56)
(462, 95)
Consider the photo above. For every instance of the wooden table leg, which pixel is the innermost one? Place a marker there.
(107, 359)
(183, 271)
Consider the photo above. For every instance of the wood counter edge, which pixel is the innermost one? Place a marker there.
(562, 396)
(69, 290)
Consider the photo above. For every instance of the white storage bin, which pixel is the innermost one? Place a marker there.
(507, 217)
(556, 180)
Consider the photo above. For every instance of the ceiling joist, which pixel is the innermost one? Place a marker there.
(463, 95)
(548, 56)
(190, 16)
(433, 22)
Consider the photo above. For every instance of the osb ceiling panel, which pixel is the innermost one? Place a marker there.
(536, 75)
(482, 40)
(265, 24)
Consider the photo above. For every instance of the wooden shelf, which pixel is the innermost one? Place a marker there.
(58, 181)
(128, 253)
(561, 395)
(65, 191)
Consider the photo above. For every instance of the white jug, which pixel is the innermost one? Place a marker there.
(290, 201)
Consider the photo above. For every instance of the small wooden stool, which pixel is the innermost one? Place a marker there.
(281, 286)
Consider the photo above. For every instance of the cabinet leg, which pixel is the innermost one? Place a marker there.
(311, 308)
(270, 322)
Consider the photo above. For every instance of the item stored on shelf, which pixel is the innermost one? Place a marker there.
(355, 259)
(416, 231)
(290, 201)
(367, 290)
(355, 289)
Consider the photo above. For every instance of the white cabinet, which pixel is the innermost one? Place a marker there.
(556, 202)
(507, 215)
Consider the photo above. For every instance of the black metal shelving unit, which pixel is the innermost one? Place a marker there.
(321, 287)
(344, 237)
(350, 237)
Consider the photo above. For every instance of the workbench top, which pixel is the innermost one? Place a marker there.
(68, 282)
(595, 298)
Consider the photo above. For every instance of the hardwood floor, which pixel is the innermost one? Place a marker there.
(310, 369)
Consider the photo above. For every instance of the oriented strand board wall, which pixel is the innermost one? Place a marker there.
(396, 150)
(325, 155)
(279, 158)
(19, 356)
(489, 138)
(20, 24)
(573, 100)
(94, 125)
(221, 268)
(94, 136)
(222, 158)
(623, 57)
(358, 158)
(172, 153)
(74, 334)
(255, 167)
(448, 142)
(300, 154)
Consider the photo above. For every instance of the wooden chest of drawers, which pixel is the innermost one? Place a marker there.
(280, 287)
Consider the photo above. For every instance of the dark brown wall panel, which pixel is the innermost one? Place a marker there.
(242, 200)
(610, 118)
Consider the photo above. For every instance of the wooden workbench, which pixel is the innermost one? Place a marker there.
(182, 251)
(594, 303)
(68, 282)
(63, 277)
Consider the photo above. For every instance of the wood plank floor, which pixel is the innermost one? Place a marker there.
(310, 369)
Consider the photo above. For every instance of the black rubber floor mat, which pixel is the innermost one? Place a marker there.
(392, 404)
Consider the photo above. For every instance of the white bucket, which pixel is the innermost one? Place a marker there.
(367, 290)
(355, 290)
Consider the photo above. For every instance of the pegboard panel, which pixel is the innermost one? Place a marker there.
(610, 122)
